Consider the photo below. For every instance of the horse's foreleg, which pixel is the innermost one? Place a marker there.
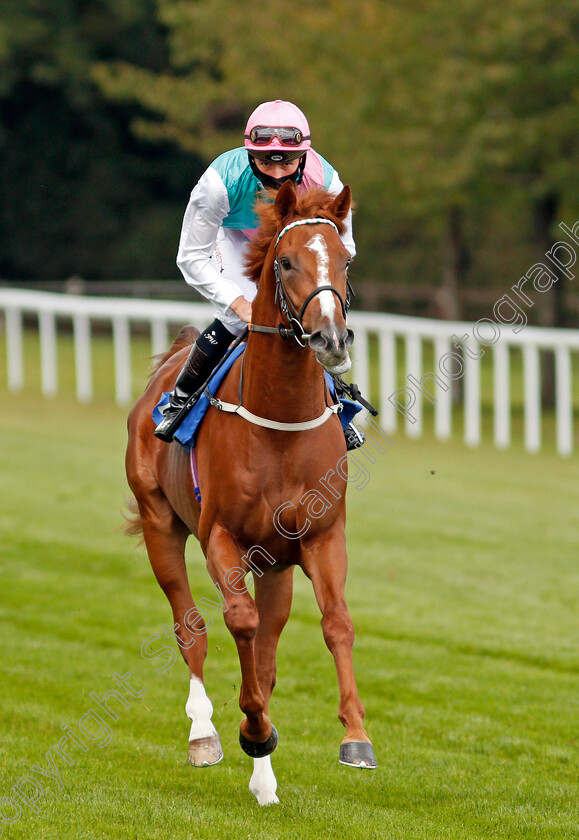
(242, 620)
(165, 537)
(325, 562)
(273, 597)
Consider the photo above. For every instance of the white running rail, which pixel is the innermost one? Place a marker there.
(458, 349)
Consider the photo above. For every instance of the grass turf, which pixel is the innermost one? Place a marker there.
(464, 589)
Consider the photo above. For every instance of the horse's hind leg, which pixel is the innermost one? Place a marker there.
(257, 735)
(165, 537)
(273, 598)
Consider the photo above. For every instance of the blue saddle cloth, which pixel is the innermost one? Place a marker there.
(187, 431)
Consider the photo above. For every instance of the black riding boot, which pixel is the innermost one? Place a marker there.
(203, 357)
(354, 437)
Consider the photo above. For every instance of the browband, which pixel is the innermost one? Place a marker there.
(304, 222)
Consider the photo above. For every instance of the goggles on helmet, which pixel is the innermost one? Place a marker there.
(262, 135)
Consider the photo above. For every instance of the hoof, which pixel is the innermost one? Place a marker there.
(259, 749)
(358, 754)
(205, 752)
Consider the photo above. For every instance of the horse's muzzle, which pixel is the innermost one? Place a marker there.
(331, 348)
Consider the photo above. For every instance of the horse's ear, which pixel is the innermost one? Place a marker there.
(342, 203)
(285, 200)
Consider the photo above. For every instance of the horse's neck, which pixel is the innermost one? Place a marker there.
(281, 380)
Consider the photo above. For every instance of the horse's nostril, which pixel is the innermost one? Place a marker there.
(334, 341)
(320, 341)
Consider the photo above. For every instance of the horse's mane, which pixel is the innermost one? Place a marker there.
(313, 204)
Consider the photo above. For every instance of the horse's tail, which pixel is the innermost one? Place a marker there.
(134, 526)
(187, 335)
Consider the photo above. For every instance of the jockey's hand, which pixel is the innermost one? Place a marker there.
(242, 309)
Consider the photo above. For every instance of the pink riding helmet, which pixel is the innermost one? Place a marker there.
(277, 126)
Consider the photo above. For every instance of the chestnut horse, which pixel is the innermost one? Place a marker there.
(273, 495)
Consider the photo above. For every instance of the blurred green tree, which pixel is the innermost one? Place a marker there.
(454, 123)
(79, 194)
(429, 109)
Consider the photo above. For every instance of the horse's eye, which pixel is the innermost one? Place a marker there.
(285, 263)
(348, 264)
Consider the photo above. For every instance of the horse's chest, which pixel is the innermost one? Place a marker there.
(279, 511)
(270, 494)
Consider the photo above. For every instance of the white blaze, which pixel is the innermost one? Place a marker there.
(317, 244)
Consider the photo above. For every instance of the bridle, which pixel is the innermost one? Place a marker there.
(284, 302)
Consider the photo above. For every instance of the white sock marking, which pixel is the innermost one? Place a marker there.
(263, 783)
(199, 710)
(317, 244)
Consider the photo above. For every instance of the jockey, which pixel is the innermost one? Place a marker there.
(220, 220)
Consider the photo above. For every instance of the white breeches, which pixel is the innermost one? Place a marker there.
(228, 256)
